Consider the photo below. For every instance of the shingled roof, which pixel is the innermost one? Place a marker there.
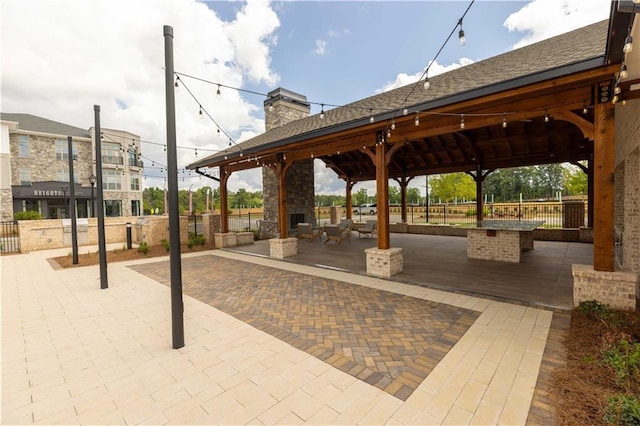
(34, 123)
(567, 53)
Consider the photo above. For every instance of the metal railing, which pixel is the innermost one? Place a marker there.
(244, 222)
(9, 236)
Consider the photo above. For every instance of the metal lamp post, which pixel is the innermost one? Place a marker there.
(92, 181)
(64, 194)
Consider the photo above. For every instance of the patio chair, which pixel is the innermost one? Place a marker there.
(346, 225)
(370, 227)
(336, 234)
(305, 230)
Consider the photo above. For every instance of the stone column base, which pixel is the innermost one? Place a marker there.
(619, 290)
(384, 263)
(283, 247)
(222, 240)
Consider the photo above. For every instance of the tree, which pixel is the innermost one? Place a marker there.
(413, 196)
(575, 180)
(394, 195)
(453, 186)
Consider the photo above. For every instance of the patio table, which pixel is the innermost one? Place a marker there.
(501, 240)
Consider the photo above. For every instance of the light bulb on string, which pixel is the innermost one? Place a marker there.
(628, 44)
(616, 89)
(426, 84)
(462, 121)
(388, 133)
(200, 112)
(405, 111)
(321, 111)
(504, 121)
(270, 107)
(218, 131)
(218, 94)
(416, 121)
(176, 85)
(393, 124)
(546, 116)
(623, 71)
(461, 38)
(585, 110)
(371, 119)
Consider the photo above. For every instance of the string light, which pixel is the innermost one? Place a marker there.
(200, 112)
(504, 121)
(322, 112)
(218, 94)
(393, 124)
(388, 133)
(546, 116)
(461, 37)
(416, 121)
(371, 119)
(623, 71)
(585, 110)
(462, 121)
(405, 111)
(176, 85)
(616, 89)
(628, 44)
(426, 84)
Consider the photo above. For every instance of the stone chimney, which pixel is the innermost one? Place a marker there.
(281, 107)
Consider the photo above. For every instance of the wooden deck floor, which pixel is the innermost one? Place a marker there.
(543, 278)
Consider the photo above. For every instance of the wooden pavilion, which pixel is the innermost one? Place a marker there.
(550, 102)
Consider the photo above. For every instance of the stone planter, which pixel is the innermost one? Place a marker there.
(244, 238)
(223, 240)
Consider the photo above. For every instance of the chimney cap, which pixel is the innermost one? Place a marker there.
(281, 94)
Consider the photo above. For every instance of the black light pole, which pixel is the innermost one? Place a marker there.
(64, 194)
(102, 245)
(92, 181)
(72, 207)
(177, 307)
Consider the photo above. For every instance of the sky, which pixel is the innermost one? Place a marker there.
(111, 53)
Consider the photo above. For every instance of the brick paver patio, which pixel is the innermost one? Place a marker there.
(388, 340)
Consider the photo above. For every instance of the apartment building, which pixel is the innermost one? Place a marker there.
(34, 158)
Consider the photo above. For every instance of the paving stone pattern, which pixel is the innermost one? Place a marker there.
(388, 340)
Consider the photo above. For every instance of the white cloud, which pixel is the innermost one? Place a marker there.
(541, 19)
(435, 68)
(111, 53)
(321, 47)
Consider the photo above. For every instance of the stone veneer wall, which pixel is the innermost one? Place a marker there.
(628, 160)
(505, 246)
(48, 233)
(283, 107)
(616, 289)
(6, 204)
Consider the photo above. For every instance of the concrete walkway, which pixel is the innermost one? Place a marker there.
(72, 353)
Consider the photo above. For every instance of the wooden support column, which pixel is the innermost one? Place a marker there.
(604, 190)
(224, 206)
(590, 192)
(348, 197)
(280, 170)
(382, 189)
(404, 183)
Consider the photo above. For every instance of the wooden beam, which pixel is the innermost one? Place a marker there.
(604, 190)
(581, 123)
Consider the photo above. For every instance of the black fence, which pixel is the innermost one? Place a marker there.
(9, 237)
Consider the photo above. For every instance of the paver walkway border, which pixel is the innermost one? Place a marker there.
(72, 353)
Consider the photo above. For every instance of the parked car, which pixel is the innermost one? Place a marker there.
(366, 209)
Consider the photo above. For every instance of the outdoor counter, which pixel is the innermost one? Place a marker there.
(501, 240)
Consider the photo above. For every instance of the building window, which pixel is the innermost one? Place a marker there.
(112, 208)
(62, 150)
(135, 182)
(25, 177)
(133, 158)
(111, 180)
(24, 148)
(111, 154)
(62, 175)
(135, 207)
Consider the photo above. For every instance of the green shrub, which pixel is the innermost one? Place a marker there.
(624, 359)
(165, 244)
(143, 248)
(195, 240)
(28, 215)
(623, 410)
(595, 310)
